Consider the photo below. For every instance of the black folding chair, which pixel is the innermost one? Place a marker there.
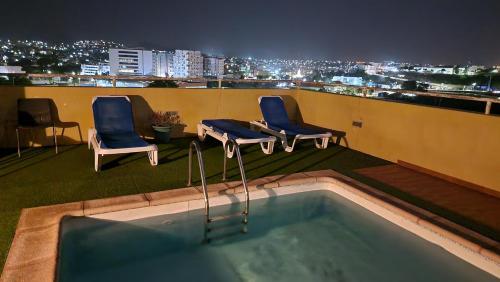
(34, 114)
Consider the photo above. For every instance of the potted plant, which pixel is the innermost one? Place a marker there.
(162, 123)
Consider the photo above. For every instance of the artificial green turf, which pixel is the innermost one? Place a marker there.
(41, 177)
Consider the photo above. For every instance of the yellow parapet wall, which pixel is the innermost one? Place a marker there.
(455, 143)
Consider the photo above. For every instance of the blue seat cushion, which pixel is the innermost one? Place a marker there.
(234, 130)
(120, 140)
(274, 111)
(294, 129)
(113, 114)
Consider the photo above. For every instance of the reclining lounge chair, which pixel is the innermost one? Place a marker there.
(114, 131)
(277, 123)
(224, 130)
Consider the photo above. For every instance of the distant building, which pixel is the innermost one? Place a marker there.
(389, 68)
(250, 72)
(434, 69)
(131, 62)
(101, 69)
(460, 70)
(349, 80)
(170, 64)
(11, 69)
(187, 63)
(442, 69)
(473, 70)
(213, 66)
(160, 63)
(369, 68)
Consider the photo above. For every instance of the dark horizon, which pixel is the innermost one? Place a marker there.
(427, 31)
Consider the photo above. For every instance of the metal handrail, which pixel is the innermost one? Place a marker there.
(298, 83)
(194, 144)
(236, 148)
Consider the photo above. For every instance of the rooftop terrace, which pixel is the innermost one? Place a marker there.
(378, 135)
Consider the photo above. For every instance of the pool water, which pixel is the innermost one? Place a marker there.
(312, 236)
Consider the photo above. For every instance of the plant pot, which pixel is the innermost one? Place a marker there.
(162, 134)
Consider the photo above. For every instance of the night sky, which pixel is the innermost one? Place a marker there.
(419, 31)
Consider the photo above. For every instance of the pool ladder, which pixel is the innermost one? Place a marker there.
(208, 219)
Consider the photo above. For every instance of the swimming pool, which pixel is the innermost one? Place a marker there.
(310, 236)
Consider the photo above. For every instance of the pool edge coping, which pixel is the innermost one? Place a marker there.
(34, 249)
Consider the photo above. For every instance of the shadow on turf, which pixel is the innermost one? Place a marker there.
(284, 159)
(23, 161)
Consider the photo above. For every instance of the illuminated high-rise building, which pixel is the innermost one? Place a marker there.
(187, 63)
(213, 66)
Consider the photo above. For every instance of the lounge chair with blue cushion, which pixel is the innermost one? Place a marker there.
(224, 130)
(114, 131)
(277, 123)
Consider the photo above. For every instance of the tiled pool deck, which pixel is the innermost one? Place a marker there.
(466, 202)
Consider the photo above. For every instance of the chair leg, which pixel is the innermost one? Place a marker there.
(323, 144)
(230, 151)
(97, 162)
(326, 140)
(89, 137)
(290, 149)
(80, 133)
(269, 149)
(18, 143)
(202, 133)
(284, 143)
(55, 137)
(153, 157)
